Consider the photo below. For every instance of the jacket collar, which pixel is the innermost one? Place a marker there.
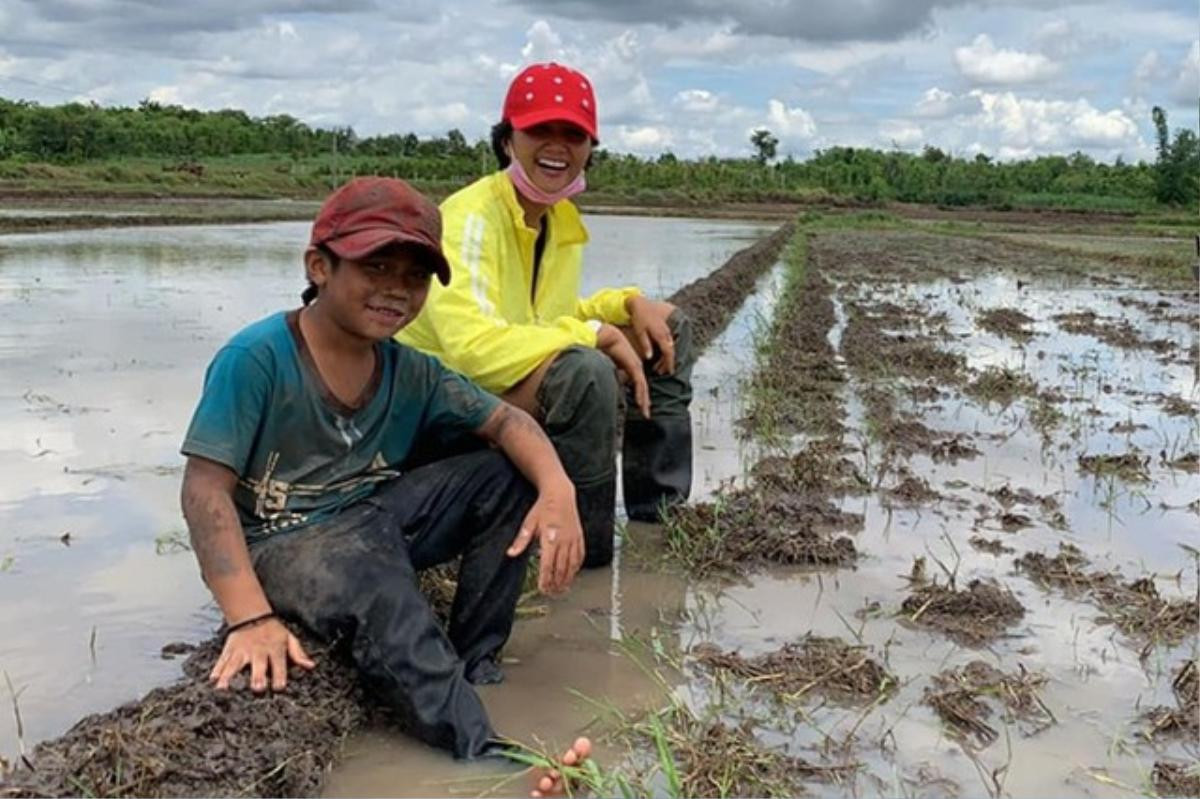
(565, 218)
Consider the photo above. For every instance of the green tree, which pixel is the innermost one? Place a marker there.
(765, 144)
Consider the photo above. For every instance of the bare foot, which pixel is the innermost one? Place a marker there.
(551, 782)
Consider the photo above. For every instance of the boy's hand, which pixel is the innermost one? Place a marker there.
(265, 647)
(648, 321)
(554, 521)
(612, 342)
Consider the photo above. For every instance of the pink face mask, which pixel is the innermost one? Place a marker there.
(532, 193)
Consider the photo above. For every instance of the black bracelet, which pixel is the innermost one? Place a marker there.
(250, 622)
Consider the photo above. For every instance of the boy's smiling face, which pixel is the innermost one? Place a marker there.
(374, 297)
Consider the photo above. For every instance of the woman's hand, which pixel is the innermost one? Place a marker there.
(612, 342)
(648, 320)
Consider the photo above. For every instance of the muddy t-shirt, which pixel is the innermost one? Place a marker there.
(299, 453)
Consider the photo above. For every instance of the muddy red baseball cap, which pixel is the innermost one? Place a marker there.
(551, 92)
(370, 213)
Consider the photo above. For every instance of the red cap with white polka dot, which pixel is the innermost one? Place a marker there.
(551, 92)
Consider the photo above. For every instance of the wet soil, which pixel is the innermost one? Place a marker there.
(1173, 778)
(1134, 607)
(1183, 720)
(973, 616)
(188, 739)
(823, 666)
(965, 698)
(1007, 322)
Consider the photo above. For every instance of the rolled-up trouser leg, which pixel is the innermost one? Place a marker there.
(656, 455)
(577, 405)
(353, 578)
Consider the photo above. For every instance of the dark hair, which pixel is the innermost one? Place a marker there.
(502, 131)
(309, 294)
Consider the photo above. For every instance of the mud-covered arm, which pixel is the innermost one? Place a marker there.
(553, 520)
(220, 547)
(218, 540)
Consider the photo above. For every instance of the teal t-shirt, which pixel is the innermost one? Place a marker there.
(300, 454)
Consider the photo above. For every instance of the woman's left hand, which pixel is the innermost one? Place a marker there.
(648, 320)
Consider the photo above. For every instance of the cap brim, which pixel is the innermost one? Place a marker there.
(362, 243)
(522, 121)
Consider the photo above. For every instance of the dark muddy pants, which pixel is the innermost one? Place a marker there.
(354, 578)
(580, 406)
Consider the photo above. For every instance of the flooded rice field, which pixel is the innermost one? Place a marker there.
(938, 546)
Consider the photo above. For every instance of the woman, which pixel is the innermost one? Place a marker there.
(512, 319)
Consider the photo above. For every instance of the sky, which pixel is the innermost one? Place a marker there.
(1009, 78)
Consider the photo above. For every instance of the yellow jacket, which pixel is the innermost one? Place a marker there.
(484, 324)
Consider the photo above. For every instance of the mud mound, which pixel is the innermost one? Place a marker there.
(189, 739)
(711, 301)
(1006, 322)
(911, 491)
(1131, 466)
(827, 666)
(797, 386)
(744, 528)
(1176, 405)
(1172, 778)
(1183, 720)
(1117, 333)
(958, 697)
(993, 546)
(819, 468)
(1001, 386)
(716, 759)
(874, 352)
(972, 616)
(1135, 608)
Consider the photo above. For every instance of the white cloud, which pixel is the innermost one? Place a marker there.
(697, 101)
(937, 103)
(1186, 90)
(1053, 125)
(645, 140)
(901, 134)
(790, 124)
(691, 44)
(542, 43)
(982, 63)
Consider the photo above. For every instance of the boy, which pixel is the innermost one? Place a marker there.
(298, 506)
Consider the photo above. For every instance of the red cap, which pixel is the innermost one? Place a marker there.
(370, 213)
(551, 92)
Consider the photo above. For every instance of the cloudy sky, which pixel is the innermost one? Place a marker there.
(1010, 78)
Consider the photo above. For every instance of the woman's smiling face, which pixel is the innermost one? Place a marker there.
(551, 153)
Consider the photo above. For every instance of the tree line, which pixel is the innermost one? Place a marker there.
(85, 132)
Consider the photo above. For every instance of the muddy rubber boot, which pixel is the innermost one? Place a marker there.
(597, 512)
(656, 465)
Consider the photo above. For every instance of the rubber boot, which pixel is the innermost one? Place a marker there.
(597, 512)
(656, 470)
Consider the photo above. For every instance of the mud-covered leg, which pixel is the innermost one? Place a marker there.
(577, 405)
(348, 580)
(656, 455)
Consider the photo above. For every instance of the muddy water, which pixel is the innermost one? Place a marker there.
(104, 336)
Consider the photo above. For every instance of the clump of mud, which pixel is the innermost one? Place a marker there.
(748, 527)
(874, 352)
(1007, 322)
(1135, 607)
(1175, 405)
(716, 759)
(1130, 466)
(189, 739)
(1184, 719)
(993, 546)
(784, 515)
(1001, 385)
(958, 697)
(910, 491)
(711, 301)
(826, 666)
(1172, 778)
(1184, 463)
(1113, 332)
(971, 616)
